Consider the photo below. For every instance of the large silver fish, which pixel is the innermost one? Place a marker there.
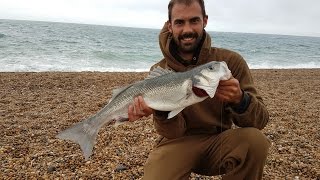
(162, 90)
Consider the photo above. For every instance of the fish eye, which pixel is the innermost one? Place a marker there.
(210, 67)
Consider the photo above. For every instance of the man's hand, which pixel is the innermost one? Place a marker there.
(139, 109)
(229, 91)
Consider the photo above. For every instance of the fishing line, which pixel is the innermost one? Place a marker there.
(220, 150)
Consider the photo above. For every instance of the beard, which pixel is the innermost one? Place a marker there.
(188, 46)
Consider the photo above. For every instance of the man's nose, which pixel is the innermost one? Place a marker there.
(187, 28)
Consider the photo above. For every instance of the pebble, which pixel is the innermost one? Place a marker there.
(121, 167)
(51, 169)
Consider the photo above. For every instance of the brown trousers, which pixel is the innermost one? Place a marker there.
(236, 153)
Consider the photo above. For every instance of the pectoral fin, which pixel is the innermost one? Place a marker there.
(174, 112)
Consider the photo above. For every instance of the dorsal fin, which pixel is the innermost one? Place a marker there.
(158, 71)
(117, 91)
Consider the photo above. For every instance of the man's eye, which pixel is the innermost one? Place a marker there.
(195, 20)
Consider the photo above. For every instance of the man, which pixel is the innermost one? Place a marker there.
(200, 139)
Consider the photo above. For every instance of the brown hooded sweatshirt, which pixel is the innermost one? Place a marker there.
(210, 116)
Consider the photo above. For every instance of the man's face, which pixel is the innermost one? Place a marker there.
(186, 25)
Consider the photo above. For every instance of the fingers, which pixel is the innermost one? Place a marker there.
(138, 109)
(131, 114)
(229, 91)
(144, 107)
(231, 82)
(221, 96)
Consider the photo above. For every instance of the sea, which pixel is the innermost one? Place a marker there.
(33, 46)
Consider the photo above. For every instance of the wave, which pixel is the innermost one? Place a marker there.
(2, 35)
(309, 65)
(28, 68)
(60, 68)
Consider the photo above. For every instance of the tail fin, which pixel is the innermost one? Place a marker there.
(83, 134)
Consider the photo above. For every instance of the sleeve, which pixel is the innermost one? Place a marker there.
(252, 112)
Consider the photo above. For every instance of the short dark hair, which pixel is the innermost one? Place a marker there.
(188, 3)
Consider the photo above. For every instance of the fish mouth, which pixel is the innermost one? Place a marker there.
(199, 92)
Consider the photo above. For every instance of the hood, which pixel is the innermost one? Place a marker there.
(165, 38)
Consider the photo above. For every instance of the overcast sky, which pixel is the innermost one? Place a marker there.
(293, 17)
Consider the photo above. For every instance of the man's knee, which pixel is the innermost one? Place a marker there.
(258, 143)
(247, 159)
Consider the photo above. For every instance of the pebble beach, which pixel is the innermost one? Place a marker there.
(34, 107)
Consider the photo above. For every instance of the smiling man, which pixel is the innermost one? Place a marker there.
(186, 28)
(200, 138)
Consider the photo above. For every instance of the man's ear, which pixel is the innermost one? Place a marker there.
(169, 26)
(205, 21)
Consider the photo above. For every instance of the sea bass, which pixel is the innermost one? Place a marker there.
(162, 90)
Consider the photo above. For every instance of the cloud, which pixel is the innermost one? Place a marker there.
(263, 16)
(266, 16)
(121, 12)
